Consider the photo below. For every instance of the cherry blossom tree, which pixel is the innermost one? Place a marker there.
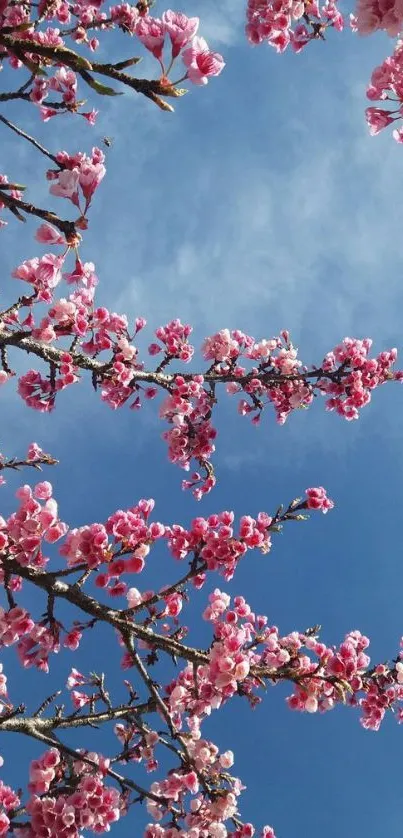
(68, 790)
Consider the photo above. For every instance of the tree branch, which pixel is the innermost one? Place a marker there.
(30, 139)
(15, 204)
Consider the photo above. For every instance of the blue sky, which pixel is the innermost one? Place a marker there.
(261, 204)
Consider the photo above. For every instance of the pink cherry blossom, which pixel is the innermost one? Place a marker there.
(317, 499)
(66, 185)
(151, 32)
(47, 234)
(90, 177)
(201, 63)
(377, 119)
(181, 29)
(371, 15)
(43, 274)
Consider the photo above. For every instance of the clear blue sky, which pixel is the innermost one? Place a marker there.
(261, 204)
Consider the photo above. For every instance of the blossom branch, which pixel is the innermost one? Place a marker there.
(149, 88)
(48, 353)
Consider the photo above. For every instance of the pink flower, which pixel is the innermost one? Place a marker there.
(48, 272)
(90, 177)
(126, 16)
(66, 185)
(4, 823)
(43, 491)
(317, 499)
(72, 640)
(372, 15)
(47, 113)
(377, 118)
(134, 597)
(201, 62)
(79, 699)
(151, 32)
(47, 234)
(227, 760)
(90, 116)
(75, 679)
(221, 347)
(311, 704)
(40, 90)
(43, 274)
(180, 28)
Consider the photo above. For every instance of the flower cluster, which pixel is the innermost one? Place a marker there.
(35, 641)
(200, 62)
(174, 337)
(214, 539)
(246, 649)
(22, 534)
(371, 15)
(91, 805)
(387, 85)
(276, 22)
(77, 173)
(64, 82)
(44, 274)
(9, 800)
(363, 375)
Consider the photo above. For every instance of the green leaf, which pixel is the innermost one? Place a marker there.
(74, 58)
(102, 89)
(121, 65)
(22, 27)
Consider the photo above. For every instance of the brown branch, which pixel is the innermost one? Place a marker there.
(15, 204)
(130, 630)
(141, 669)
(195, 569)
(91, 606)
(17, 94)
(19, 724)
(16, 465)
(15, 307)
(30, 139)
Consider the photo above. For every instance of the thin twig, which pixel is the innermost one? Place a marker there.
(30, 139)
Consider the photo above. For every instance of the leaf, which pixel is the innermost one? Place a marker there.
(170, 90)
(74, 58)
(22, 27)
(121, 65)
(102, 89)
